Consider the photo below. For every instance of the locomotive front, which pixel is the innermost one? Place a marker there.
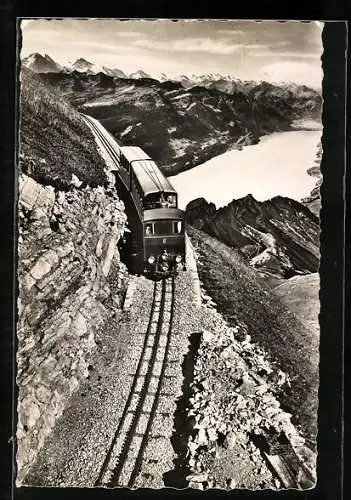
(164, 241)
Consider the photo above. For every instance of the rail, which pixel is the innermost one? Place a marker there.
(124, 458)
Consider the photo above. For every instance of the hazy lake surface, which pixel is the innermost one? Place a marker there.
(277, 165)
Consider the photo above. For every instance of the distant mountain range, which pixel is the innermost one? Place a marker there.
(45, 64)
(224, 83)
(41, 64)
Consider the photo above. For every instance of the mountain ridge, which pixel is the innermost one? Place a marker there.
(279, 237)
(192, 125)
(225, 83)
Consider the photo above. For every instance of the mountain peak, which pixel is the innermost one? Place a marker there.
(244, 200)
(41, 64)
(81, 60)
(139, 74)
(84, 66)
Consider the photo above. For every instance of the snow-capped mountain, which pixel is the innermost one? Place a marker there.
(139, 74)
(84, 66)
(115, 73)
(41, 64)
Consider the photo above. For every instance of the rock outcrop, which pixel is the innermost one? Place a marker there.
(279, 237)
(70, 281)
(70, 278)
(242, 297)
(233, 404)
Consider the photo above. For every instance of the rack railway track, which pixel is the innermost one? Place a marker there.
(110, 149)
(124, 458)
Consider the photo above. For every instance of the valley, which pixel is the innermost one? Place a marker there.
(181, 122)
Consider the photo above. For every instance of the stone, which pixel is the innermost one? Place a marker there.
(197, 478)
(28, 282)
(43, 394)
(98, 249)
(193, 446)
(230, 440)
(51, 257)
(90, 341)
(40, 269)
(29, 192)
(73, 384)
(212, 434)
(205, 384)
(31, 413)
(80, 324)
(232, 484)
(228, 353)
(75, 181)
(201, 437)
(277, 483)
(207, 336)
(195, 485)
(65, 249)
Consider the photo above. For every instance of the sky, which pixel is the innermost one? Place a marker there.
(274, 51)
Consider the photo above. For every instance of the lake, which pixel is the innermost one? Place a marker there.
(277, 165)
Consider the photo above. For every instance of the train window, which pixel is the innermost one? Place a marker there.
(163, 227)
(171, 201)
(157, 200)
(178, 227)
(124, 162)
(149, 229)
(152, 201)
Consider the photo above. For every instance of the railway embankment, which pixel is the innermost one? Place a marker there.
(82, 441)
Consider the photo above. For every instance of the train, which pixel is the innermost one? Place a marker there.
(156, 241)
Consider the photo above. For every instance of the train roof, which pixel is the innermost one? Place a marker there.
(133, 153)
(150, 178)
(163, 213)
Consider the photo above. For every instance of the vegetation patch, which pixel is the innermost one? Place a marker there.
(55, 143)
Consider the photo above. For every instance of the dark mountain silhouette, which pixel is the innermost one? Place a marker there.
(279, 237)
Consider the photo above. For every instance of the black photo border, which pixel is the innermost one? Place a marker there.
(333, 240)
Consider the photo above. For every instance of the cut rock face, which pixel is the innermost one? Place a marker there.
(64, 287)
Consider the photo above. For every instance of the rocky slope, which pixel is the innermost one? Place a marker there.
(248, 303)
(279, 237)
(181, 128)
(69, 273)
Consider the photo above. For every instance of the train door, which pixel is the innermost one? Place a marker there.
(137, 248)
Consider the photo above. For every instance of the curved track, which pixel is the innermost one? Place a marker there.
(125, 455)
(111, 150)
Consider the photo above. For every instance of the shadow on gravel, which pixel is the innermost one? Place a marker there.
(183, 425)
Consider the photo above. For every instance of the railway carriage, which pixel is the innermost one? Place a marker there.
(157, 241)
